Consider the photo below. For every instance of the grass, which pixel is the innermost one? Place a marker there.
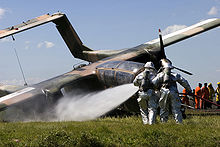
(129, 131)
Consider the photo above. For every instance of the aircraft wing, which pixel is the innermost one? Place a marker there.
(151, 51)
(187, 32)
(38, 94)
(7, 89)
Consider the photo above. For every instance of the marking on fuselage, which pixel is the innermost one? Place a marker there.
(16, 93)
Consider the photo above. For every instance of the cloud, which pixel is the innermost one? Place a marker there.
(40, 45)
(2, 12)
(213, 11)
(218, 70)
(27, 45)
(46, 44)
(173, 28)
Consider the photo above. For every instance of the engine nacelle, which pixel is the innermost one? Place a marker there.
(115, 73)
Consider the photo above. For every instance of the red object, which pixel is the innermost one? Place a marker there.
(205, 95)
(198, 93)
(185, 99)
(205, 92)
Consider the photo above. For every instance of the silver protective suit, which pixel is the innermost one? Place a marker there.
(169, 94)
(147, 97)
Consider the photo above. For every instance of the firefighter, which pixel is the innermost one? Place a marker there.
(198, 94)
(217, 91)
(205, 95)
(211, 94)
(168, 91)
(147, 97)
(185, 99)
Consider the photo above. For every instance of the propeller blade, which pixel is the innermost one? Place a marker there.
(162, 52)
(183, 70)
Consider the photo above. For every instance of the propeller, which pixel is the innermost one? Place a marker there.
(189, 73)
(163, 56)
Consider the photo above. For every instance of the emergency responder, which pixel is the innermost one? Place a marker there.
(198, 95)
(211, 94)
(193, 97)
(217, 91)
(185, 99)
(168, 91)
(148, 99)
(205, 95)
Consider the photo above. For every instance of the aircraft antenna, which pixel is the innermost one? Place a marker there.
(19, 63)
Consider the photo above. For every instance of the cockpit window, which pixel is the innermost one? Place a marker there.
(125, 65)
(129, 65)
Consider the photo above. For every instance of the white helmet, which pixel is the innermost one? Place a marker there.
(166, 63)
(149, 65)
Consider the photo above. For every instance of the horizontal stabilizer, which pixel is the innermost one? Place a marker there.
(64, 27)
(29, 24)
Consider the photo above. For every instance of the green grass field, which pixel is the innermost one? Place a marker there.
(129, 131)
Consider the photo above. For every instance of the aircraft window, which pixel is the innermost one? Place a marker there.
(109, 77)
(124, 78)
(128, 65)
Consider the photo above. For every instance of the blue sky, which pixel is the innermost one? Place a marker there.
(109, 24)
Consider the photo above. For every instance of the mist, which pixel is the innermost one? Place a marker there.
(93, 105)
(78, 107)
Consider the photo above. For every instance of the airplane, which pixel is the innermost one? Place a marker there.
(107, 68)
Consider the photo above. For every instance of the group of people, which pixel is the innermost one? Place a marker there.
(159, 90)
(204, 96)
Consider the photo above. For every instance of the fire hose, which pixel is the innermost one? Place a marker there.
(200, 98)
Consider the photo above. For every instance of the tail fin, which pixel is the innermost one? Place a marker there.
(71, 38)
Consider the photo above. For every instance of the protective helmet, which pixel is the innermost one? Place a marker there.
(210, 84)
(149, 65)
(218, 83)
(166, 63)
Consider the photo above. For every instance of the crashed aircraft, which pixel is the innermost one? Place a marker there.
(108, 68)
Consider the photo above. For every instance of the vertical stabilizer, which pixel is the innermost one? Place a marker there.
(71, 38)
